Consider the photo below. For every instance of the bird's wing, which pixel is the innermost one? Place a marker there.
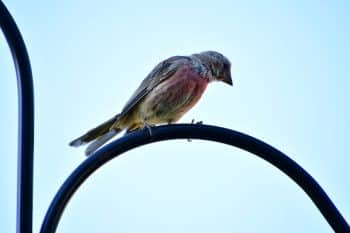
(161, 72)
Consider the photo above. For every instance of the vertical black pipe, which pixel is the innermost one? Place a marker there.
(25, 121)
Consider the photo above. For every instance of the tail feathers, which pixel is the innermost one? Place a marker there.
(94, 133)
(100, 141)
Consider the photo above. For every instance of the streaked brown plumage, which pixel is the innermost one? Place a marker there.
(172, 88)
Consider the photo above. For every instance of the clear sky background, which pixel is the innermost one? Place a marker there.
(291, 72)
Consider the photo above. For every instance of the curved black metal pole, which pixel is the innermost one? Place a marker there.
(205, 132)
(26, 121)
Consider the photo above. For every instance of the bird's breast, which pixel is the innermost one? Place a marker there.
(173, 97)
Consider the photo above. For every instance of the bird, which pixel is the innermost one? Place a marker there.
(172, 88)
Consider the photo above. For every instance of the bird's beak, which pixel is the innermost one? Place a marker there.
(228, 80)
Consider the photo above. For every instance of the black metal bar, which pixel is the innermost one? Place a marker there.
(205, 132)
(26, 121)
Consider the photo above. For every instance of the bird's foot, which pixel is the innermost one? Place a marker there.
(149, 128)
(197, 123)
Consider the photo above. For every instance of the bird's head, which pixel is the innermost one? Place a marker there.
(218, 65)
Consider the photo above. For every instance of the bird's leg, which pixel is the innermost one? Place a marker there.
(146, 125)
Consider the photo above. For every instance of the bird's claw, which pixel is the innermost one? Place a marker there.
(197, 123)
(149, 129)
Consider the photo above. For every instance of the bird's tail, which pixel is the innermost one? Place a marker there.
(98, 136)
(98, 142)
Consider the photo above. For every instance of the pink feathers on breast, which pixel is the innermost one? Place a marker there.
(188, 83)
(173, 97)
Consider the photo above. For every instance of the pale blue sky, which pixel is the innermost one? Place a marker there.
(290, 66)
